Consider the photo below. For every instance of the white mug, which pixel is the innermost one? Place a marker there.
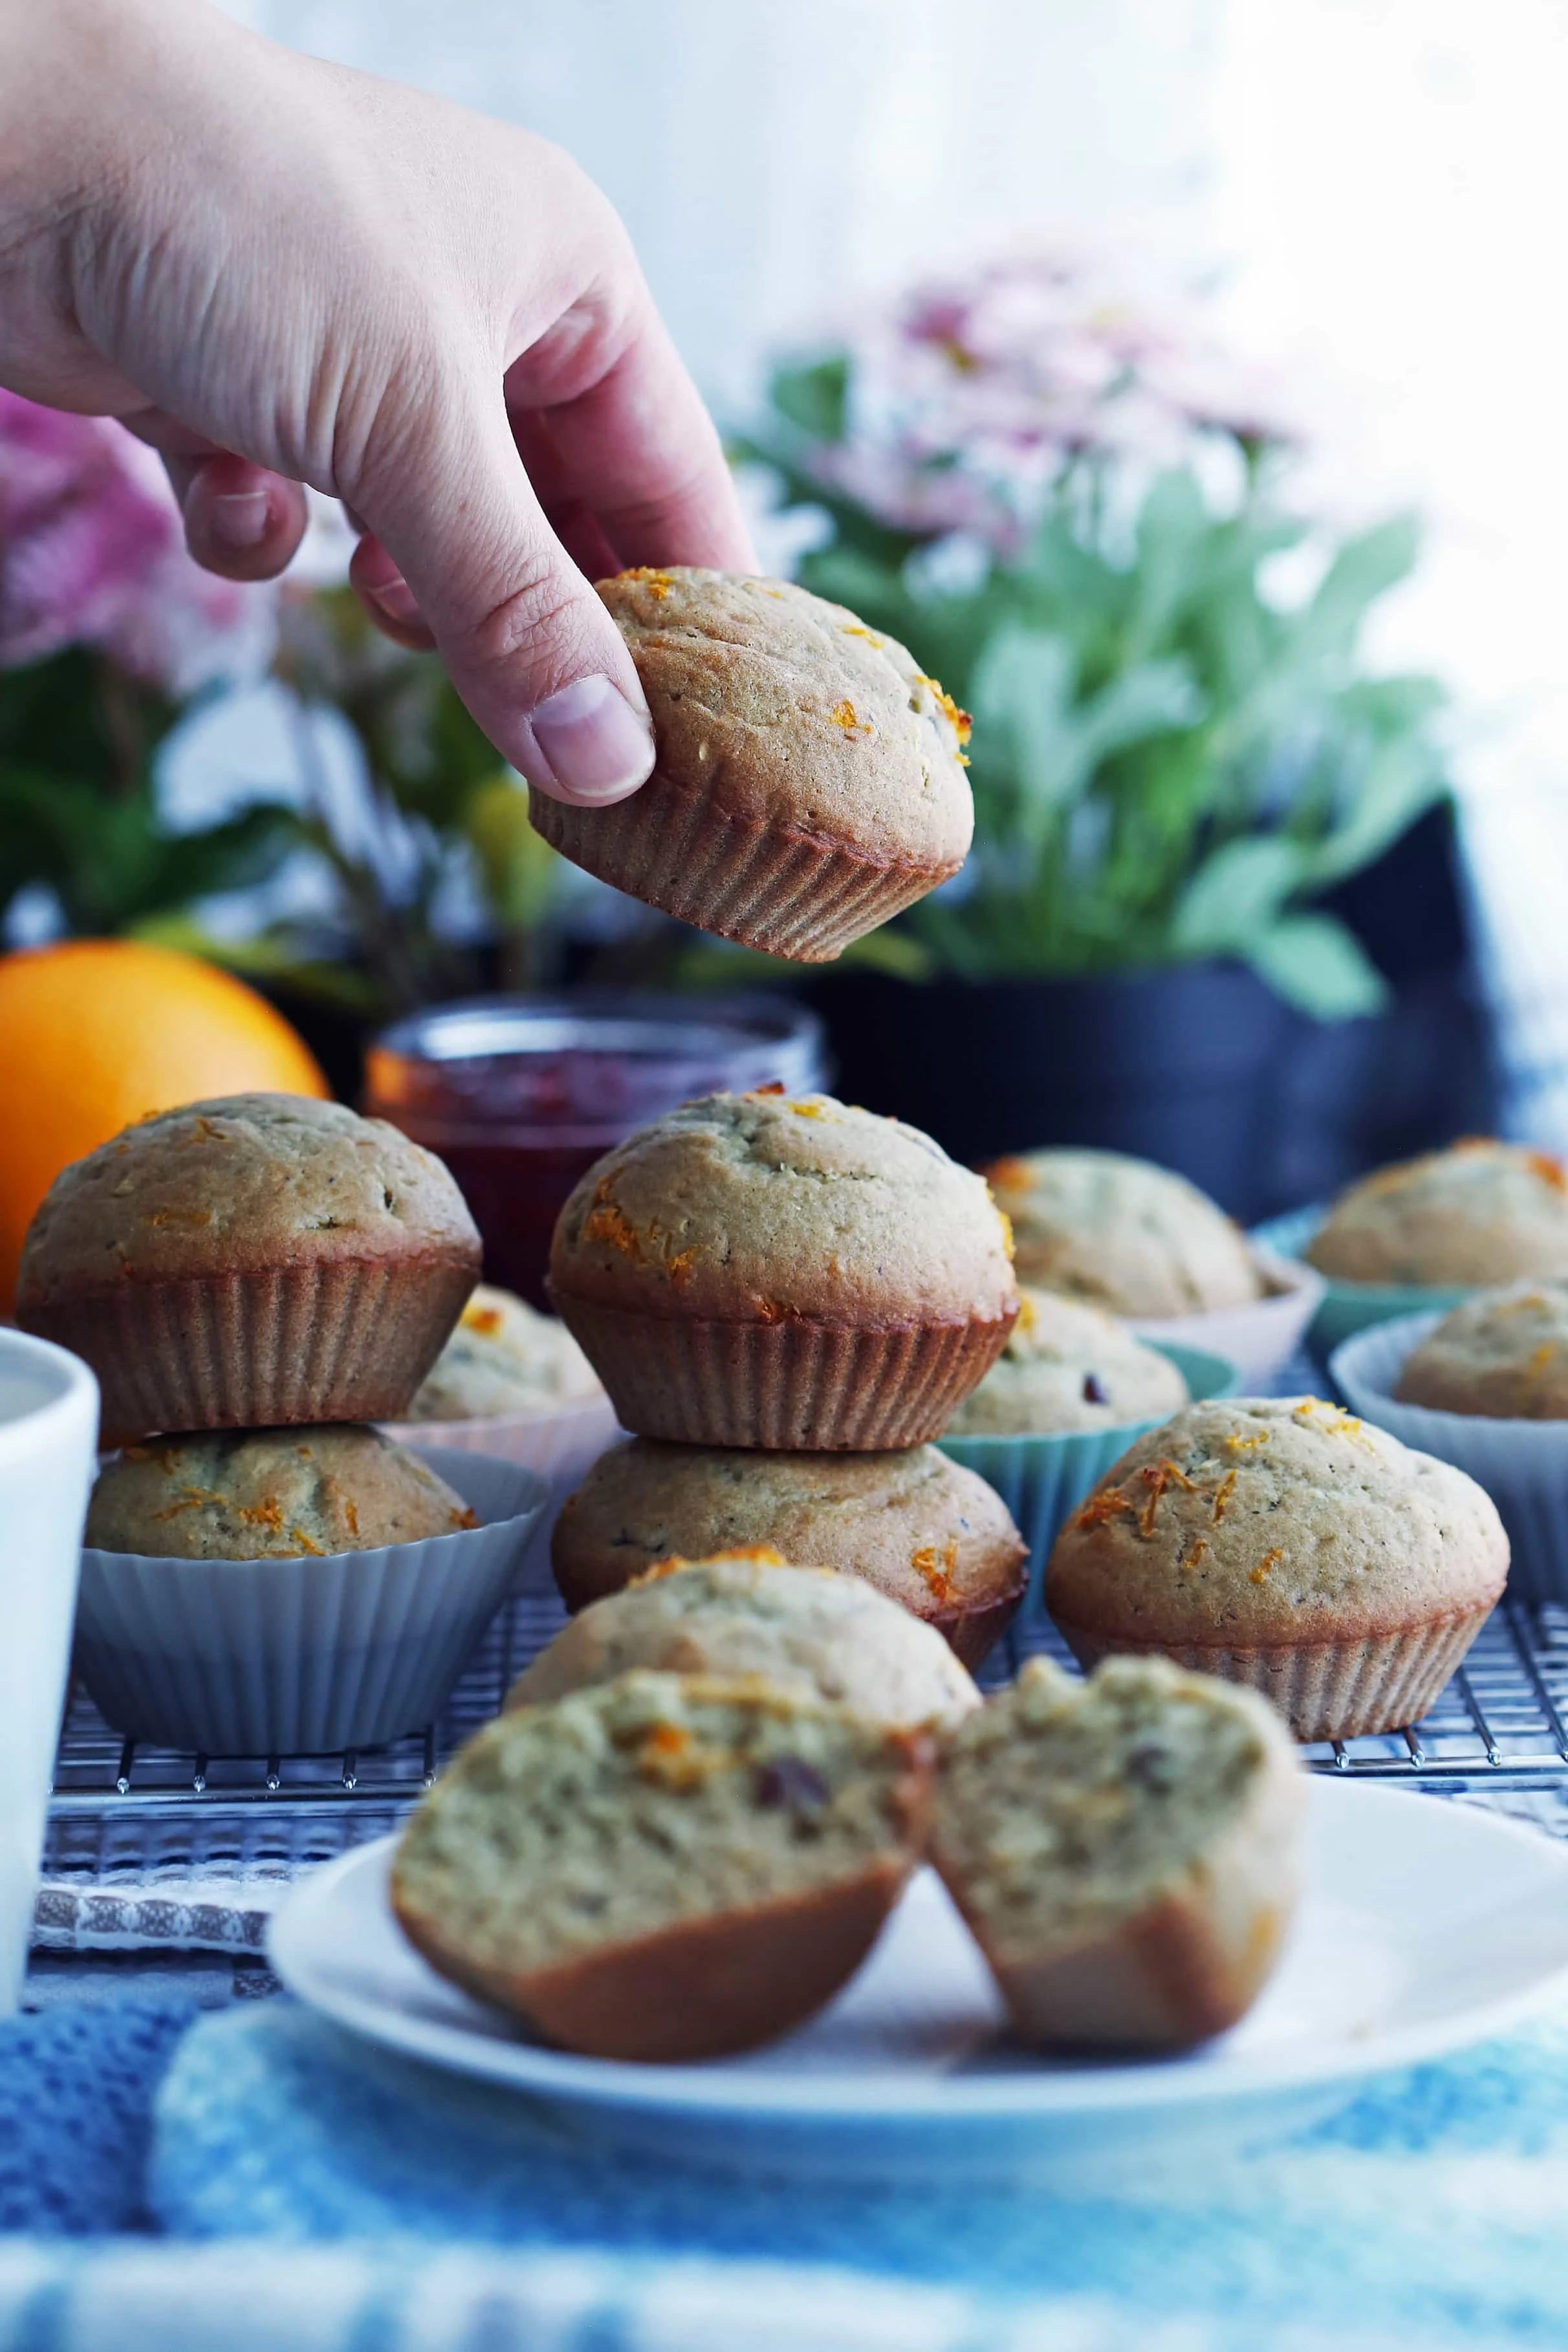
(48, 1440)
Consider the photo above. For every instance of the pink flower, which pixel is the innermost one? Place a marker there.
(968, 398)
(91, 553)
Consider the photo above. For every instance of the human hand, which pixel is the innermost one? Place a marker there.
(280, 272)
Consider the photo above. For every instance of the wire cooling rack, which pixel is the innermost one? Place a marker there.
(1501, 1723)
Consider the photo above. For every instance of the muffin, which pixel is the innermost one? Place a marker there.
(1503, 1354)
(757, 1270)
(1285, 1544)
(504, 1359)
(809, 1629)
(1122, 1234)
(928, 1535)
(808, 780)
(666, 1867)
(1125, 1850)
(250, 1261)
(1067, 1366)
(1481, 1211)
(270, 1493)
(302, 1591)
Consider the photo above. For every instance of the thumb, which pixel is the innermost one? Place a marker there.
(458, 546)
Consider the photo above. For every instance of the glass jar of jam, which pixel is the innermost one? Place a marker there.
(519, 1095)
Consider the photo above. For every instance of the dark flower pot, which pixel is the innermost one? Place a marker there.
(1200, 1066)
(1176, 1066)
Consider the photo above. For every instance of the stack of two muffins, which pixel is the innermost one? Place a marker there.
(786, 1300)
(255, 1280)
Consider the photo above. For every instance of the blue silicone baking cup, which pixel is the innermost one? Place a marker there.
(1044, 1478)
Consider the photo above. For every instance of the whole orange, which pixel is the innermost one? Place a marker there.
(97, 1033)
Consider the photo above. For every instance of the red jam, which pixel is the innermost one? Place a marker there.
(521, 1095)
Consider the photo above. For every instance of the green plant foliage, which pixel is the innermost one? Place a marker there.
(1169, 760)
(78, 812)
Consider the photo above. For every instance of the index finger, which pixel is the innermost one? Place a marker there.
(638, 448)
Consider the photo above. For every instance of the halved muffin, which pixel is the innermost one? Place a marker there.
(1125, 1850)
(665, 1867)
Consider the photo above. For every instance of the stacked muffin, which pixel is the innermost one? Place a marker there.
(786, 1300)
(252, 1262)
(255, 1280)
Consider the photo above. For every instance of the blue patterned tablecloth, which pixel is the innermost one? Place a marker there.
(1433, 2211)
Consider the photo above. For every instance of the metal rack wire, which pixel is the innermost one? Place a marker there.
(1502, 1723)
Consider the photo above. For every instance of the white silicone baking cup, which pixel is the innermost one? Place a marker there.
(1522, 1465)
(561, 1446)
(288, 1657)
(1043, 1478)
(1259, 1338)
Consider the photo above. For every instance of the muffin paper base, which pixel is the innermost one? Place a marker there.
(1043, 1479)
(1259, 1338)
(817, 1387)
(302, 1656)
(973, 1633)
(763, 884)
(1522, 1465)
(350, 1341)
(1325, 1690)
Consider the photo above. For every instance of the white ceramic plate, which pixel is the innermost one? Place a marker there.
(1426, 1925)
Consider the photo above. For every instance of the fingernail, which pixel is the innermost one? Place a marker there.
(239, 518)
(396, 599)
(597, 747)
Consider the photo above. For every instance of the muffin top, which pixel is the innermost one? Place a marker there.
(1481, 1211)
(794, 714)
(807, 1629)
(504, 1358)
(243, 1183)
(764, 1207)
(924, 1531)
(1278, 1520)
(1068, 1366)
(1503, 1354)
(1126, 1235)
(270, 1493)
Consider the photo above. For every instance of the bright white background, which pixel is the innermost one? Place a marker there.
(1380, 187)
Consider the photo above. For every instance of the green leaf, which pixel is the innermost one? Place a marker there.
(1315, 963)
(892, 949)
(814, 397)
(1399, 782)
(1235, 894)
(521, 872)
(1364, 570)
